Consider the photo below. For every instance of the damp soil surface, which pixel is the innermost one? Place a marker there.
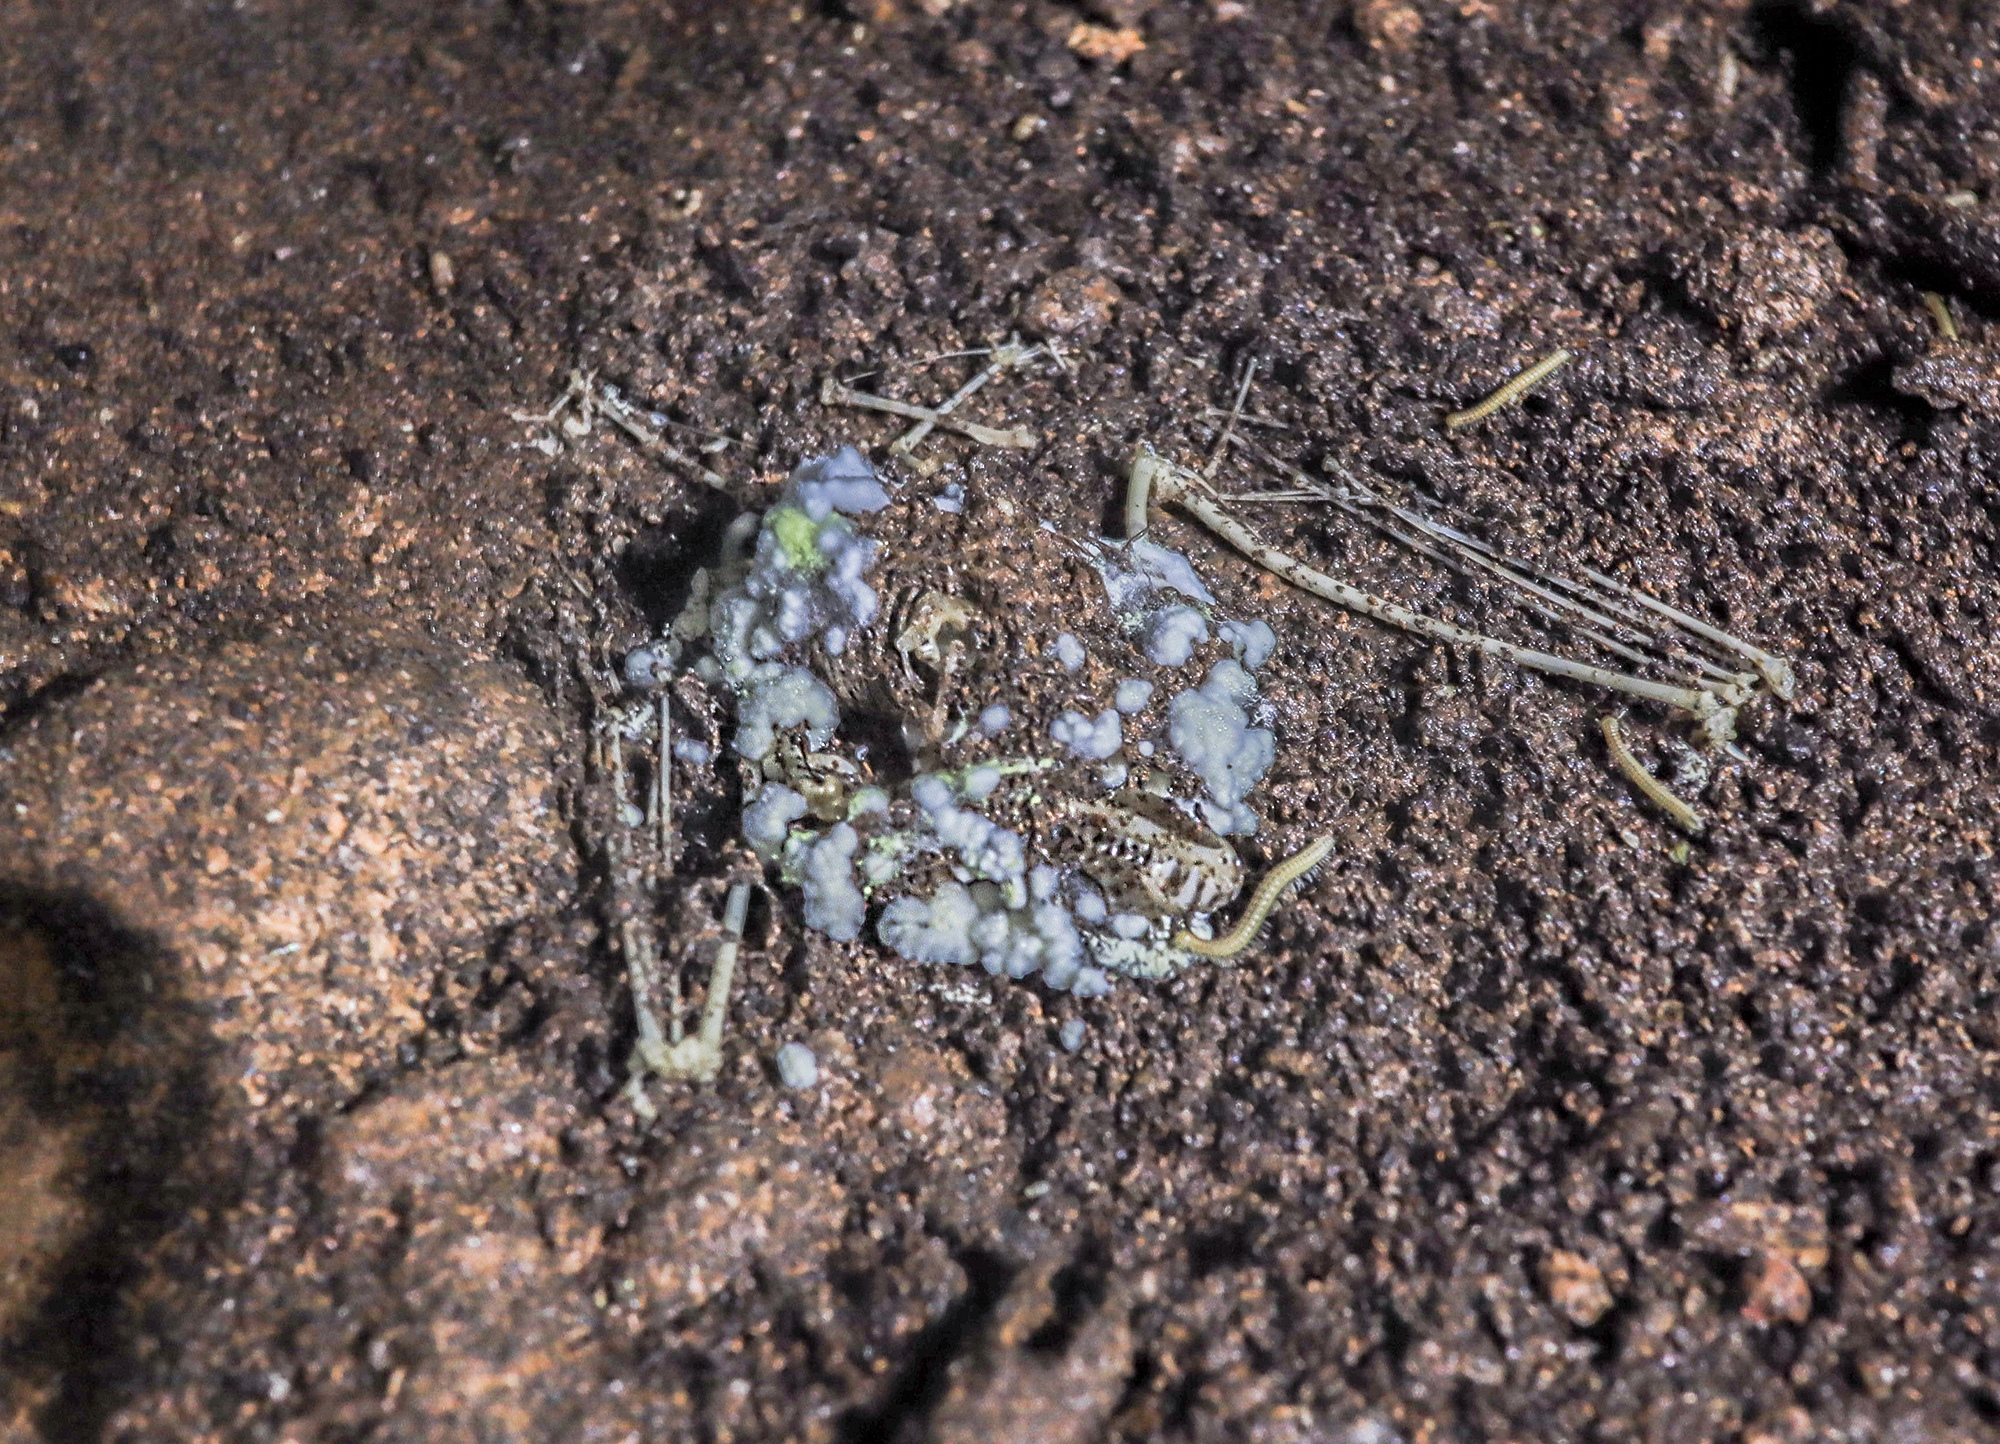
(1531, 1118)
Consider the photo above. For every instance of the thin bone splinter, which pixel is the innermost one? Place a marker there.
(832, 393)
(1152, 477)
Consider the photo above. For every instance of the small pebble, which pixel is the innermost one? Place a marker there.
(694, 753)
(995, 719)
(1069, 651)
(797, 1068)
(1072, 1035)
(631, 814)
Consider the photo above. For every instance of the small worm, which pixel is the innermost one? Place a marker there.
(1512, 391)
(1655, 790)
(1941, 313)
(1277, 882)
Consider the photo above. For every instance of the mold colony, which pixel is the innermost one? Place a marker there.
(951, 883)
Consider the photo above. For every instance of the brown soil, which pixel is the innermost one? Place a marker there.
(1525, 1122)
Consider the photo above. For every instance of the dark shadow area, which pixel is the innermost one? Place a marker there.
(1079, 1289)
(1874, 385)
(1821, 57)
(658, 568)
(920, 1383)
(19, 712)
(110, 1073)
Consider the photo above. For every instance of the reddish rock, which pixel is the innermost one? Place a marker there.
(1072, 305)
(1775, 1291)
(307, 832)
(1576, 1288)
(726, 1202)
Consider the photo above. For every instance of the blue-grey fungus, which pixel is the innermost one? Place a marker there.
(1132, 695)
(1095, 739)
(1173, 634)
(1252, 641)
(777, 697)
(981, 780)
(648, 667)
(1090, 905)
(1138, 571)
(1211, 730)
(797, 1067)
(963, 925)
(768, 820)
(833, 904)
(806, 569)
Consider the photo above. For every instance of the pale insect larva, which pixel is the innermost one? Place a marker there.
(1656, 791)
(1275, 885)
(1941, 313)
(1512, 391)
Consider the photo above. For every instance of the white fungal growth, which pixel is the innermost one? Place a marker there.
(1069, 652)
(962, 925)
(825, 867)
(1090, 905)
(1210, 728)
(768, 820)
(987, 849)
(1173, 634)
(1132, 695)
(937, 929)
(648, 666)
(1137, 572)
(1252, 641)
(806, 569)
(843, 482)
(776, 697)
(797, 1067)
(981, 780)
(1084, 737)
